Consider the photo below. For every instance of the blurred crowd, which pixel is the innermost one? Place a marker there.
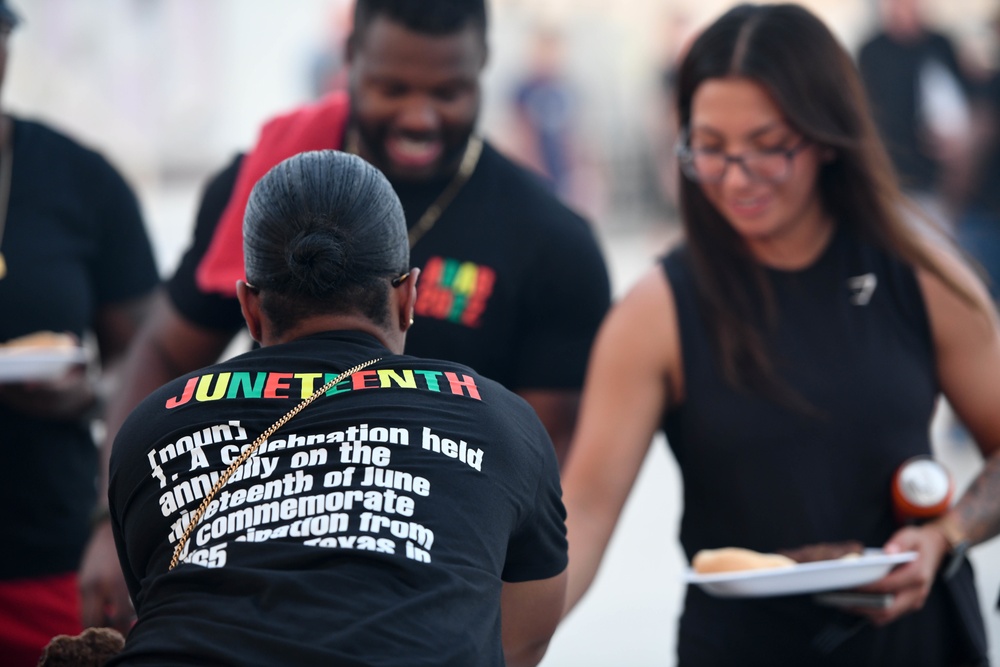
(601, 121)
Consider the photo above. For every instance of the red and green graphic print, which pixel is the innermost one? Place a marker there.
(454, 291)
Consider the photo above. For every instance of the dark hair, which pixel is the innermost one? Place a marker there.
(322, 232)
(429, 17)
(814, 82)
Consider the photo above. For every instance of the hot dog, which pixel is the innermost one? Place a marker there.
(41, 339)
(733, 559)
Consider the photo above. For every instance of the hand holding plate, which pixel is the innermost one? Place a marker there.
(909, 583)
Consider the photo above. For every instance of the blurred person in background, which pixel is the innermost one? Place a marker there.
(979, 221)
(513, 283)
(663, 115)
(413, 574)
(919, 96)
(794, 347)
(75, 261)
(547, 132)
(546, 109)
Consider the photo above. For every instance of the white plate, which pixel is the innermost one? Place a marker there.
(824, 575)
(24, 364)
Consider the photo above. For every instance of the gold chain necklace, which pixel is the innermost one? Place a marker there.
(6, 171)
(470, 158)
(198, 513)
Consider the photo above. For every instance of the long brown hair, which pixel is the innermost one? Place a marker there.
(813, 80)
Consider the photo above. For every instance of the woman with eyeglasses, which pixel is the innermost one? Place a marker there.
(794, 347)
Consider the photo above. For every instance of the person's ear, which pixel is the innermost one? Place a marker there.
(407, 300)
(249, 297)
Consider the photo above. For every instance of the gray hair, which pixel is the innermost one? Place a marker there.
(322, 231)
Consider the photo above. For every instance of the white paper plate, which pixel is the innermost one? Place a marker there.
(32, 364)
(824, 575)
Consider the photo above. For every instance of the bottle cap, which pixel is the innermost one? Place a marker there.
(921, 489)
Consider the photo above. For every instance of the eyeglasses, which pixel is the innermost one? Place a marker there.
(709, 165)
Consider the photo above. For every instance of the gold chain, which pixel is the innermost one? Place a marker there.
(468, 165)
(470, 158)
(196, 517)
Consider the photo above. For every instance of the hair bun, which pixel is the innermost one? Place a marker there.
(316, 262)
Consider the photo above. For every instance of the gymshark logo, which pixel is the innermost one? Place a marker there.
(861, 288)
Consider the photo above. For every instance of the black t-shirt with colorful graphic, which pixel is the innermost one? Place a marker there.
(74, 242)
(513, 285)
(374, 528)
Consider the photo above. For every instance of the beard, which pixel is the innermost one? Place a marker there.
(376, 138)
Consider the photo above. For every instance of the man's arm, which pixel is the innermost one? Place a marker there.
(167, 346)
(530, 612)
(569, 297)
(557, 409)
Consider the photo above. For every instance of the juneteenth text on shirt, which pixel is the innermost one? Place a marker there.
(274, 385)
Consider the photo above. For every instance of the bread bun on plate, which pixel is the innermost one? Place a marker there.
(41, 339)
(734, 559)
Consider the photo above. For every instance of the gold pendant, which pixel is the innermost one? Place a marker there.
(3, 267)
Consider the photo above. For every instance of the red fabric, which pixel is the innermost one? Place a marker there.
(33, 611)
(315, 127)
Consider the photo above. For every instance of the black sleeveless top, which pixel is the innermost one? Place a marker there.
(764, 476)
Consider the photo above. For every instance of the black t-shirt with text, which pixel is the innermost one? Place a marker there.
(374, 528)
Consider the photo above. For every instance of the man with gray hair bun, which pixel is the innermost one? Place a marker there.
(326, 499)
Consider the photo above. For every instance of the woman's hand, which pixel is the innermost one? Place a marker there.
(66, 398)
(909, 583)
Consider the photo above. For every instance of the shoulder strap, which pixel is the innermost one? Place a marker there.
(196, 517)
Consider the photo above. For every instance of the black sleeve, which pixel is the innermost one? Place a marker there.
(123, 479)
(569, 294)
(131, 580)
(538, 549)
(211, 311)
(123, 267)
